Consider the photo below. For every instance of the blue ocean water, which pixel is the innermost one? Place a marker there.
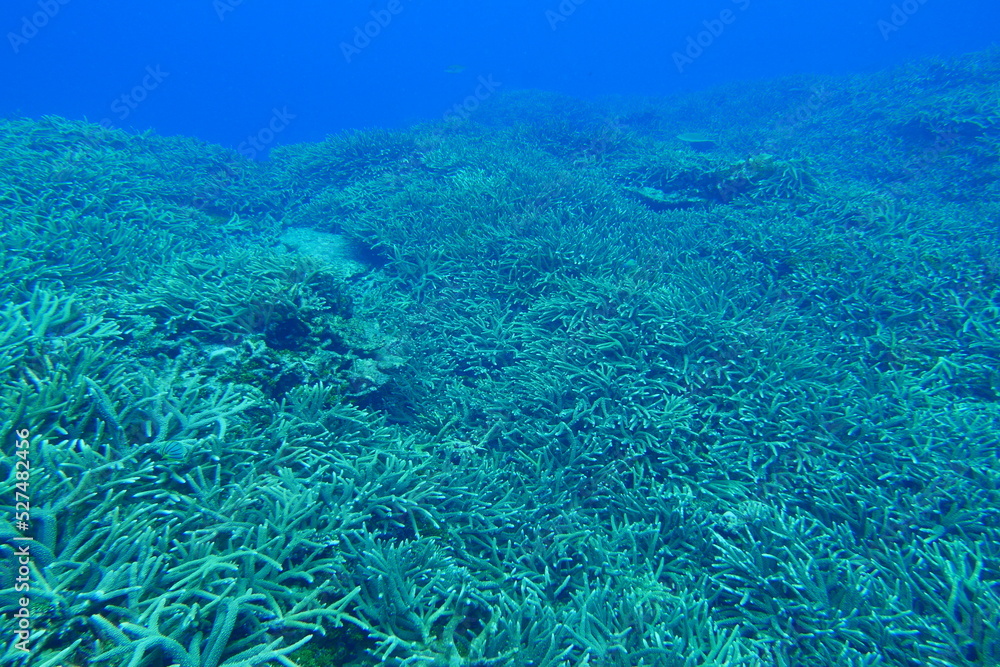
(226, 65)
(558, 333)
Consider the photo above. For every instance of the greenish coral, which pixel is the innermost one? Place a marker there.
(591, 400)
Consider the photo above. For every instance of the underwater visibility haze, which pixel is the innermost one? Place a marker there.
(548, 333)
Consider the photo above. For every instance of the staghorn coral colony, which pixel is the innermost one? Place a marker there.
(545, 388)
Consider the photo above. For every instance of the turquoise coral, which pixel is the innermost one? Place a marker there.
(584, 398)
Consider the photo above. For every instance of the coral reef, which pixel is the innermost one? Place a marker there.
(580, 396)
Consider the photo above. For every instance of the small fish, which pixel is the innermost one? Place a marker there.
(454, 69)
(172, 450)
